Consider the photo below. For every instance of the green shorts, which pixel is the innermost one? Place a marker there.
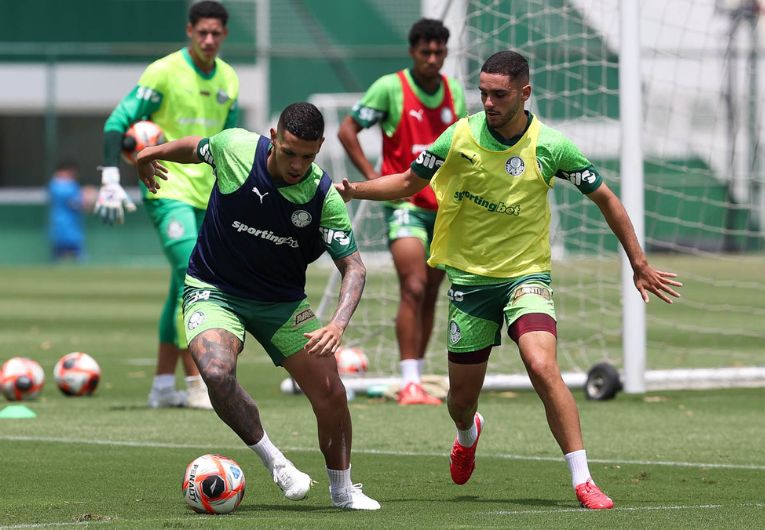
(177, 225)
(476, 312)
(277, 326)
(405, 221)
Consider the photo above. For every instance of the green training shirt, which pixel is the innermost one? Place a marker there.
(384, 100)
(184, 101)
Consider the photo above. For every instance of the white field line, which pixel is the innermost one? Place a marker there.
(581, 511)
(630, 509)
(505, 456)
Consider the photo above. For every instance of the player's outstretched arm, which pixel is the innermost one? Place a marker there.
(182, 151)
(325, 341)
(387, 188)
(646, 278)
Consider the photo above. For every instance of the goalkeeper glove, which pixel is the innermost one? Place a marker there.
(112, 199)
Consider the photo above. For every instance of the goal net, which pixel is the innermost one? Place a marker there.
(704, 190)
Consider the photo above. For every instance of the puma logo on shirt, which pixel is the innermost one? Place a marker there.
(416, 113)
(256, 191)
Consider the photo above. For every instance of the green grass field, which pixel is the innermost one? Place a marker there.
(669, 460)
(716, 323)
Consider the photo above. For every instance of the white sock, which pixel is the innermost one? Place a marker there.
(163, 381)
(410, 372)
(420, 367)
(577, 464)
(467, 438)
(268, 452)
(194, 381)
(339, 479)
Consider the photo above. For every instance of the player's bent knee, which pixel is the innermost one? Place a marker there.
(414, 289)
(544, 370)
(217, 378)
(329, 399)
(338, 397)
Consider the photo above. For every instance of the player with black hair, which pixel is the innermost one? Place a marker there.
(302, 120)
(208, 9)
(428, 30)
(413, 107)
(491, 173)
(189, 92)
(272, 211)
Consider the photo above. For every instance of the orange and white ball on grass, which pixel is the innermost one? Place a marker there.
(140, 135)
(213, 484)
(351, 361)
(77, 374)
(21, 379)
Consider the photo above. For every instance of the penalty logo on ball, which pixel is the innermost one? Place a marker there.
(213, 484)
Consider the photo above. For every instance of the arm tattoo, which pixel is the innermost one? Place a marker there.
(354, 276)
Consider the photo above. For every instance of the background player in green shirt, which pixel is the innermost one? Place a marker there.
(189, 92)
(413, 107)
(272, 211)
(491, 173)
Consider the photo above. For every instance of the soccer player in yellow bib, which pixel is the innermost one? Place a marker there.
(189, 92)
(491, 173)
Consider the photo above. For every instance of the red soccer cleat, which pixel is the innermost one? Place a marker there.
(414, 394)
(590, 496)
(462, 459)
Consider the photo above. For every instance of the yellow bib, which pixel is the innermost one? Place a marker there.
(493, 213)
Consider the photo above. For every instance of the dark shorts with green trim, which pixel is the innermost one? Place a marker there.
(277, 326)
(476, 312)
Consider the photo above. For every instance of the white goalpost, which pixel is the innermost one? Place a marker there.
(662, 96)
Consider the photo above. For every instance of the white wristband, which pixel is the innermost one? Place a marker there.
(110, 175)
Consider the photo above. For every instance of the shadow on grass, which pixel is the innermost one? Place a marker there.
(514, 501)
(145, 407)
(546, 503)
(125, 408)
(290, 508)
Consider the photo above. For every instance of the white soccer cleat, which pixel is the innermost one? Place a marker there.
(165, 398)
(294, 483)
(352, 498)
(197, 396)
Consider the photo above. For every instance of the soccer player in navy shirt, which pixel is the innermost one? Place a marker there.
(272, 211)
